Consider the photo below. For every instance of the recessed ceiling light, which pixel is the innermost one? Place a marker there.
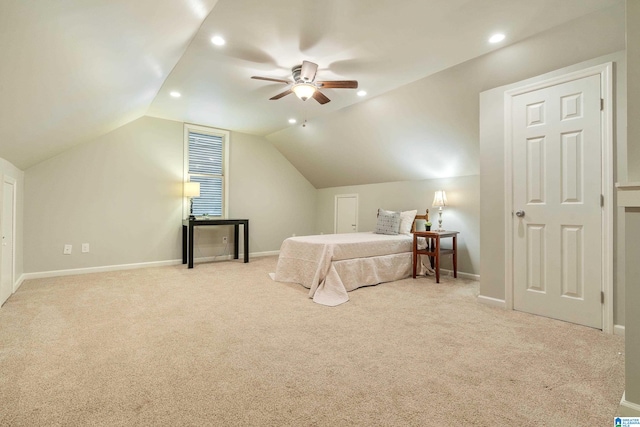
(217, 40)
(175, 94)
(496, 38)
(292, 121)
(362, 92)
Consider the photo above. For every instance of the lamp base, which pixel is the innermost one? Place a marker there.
(440, 220)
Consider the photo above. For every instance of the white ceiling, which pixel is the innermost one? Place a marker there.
(72, 70)
(75, 69)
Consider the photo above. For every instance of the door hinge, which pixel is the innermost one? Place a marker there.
(601, 104)
(601, 297)
(602, 200)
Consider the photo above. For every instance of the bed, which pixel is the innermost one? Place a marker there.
(331, 265)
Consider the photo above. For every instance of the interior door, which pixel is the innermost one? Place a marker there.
(346, 214)
(556, 134)
(6, 274)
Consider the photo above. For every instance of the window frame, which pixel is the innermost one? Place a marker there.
(225, 135)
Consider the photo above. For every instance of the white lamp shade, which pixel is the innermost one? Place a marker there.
(191, 189)
(303, 90)
(440, 199)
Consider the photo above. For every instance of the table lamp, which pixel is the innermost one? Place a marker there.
(439, 201)
(191, 190)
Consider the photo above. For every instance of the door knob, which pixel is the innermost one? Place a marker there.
(520, 213)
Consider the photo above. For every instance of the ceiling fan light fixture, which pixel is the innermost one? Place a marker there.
(304, 91)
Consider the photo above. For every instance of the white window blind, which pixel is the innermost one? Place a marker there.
(206, 166)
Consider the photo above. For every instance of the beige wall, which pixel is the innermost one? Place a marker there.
(632, 217)
(632, 318)
(122, 194)
(462, 215)
(266, 188)
(8, 169)
(633, 58)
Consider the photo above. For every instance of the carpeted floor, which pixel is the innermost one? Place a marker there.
(224, 345)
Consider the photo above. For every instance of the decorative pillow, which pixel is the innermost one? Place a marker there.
(388, 222)
(406, 221)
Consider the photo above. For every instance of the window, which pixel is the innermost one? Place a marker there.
(206, 162)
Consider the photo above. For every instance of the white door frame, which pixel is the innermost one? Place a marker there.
(12, 181)
(606, 93)
(335, 210)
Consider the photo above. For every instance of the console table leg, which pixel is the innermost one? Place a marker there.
(246, 241)
(455, 257)
(190, 255)
(437, 257)
(236, 243)
(184, 244)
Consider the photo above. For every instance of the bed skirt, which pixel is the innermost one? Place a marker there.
(349, 274)
(346, 275)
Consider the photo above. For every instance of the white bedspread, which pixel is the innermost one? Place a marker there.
(330, 265)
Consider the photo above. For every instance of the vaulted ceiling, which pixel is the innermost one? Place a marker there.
(73, 70)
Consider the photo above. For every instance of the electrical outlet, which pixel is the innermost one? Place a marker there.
(67, 249)
(85, 248)
(224, 240)
(293, 235)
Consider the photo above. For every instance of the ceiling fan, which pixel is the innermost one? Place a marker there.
(305, 86)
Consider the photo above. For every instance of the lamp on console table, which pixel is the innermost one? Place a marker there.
(440, 201)
(191, 190)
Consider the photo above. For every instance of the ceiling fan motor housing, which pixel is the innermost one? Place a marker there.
(296, 71)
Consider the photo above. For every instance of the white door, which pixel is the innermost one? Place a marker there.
(557, 260)
(6, 274)
(346, 213)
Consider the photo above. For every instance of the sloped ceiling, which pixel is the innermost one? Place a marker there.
(73, 70)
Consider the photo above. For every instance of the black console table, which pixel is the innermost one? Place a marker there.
(187, 236)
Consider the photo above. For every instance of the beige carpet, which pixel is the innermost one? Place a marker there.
(224, 345)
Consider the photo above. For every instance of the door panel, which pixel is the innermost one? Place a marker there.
(346, 214)
(6, 272)
(556, 134)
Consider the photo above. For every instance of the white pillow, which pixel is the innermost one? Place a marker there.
(388, 222)
(406, 221)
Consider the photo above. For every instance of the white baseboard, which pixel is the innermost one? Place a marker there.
(628, 409)
(230, 257)
(107, 268)
(493, 302)
(102, 269)
(618, 330)
(266, 253)
(461, 274)
(18, 283)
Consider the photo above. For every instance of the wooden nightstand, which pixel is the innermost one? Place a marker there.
(434, 251)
